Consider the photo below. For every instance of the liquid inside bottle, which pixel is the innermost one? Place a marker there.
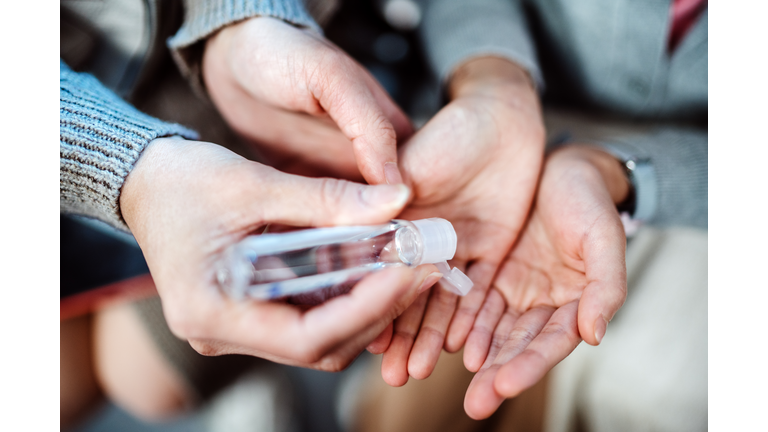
(309, 266)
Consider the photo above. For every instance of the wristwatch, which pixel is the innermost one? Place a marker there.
(640, 203)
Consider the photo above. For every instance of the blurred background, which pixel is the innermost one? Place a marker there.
(381, 35)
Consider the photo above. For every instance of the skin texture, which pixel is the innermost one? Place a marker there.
(131, 370)
(306, 105)
(80, 394)
(562, 282)
(558, 272)
(463, 165)
(186, 201)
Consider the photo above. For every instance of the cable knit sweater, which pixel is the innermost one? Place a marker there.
(102, 136)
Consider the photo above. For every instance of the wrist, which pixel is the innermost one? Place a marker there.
(489, 75)
(134, 194)
(610, 169)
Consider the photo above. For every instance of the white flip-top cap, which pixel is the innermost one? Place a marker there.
(439, 240)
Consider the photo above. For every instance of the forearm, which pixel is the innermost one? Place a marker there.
(101, 138)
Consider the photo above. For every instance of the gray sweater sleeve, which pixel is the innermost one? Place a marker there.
(204, 17)
(101, 138)
(673, 190)
(454, 31)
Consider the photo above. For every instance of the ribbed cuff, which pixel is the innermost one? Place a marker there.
(455, 31)
(671, 178)
(204, 17)
(101, 138)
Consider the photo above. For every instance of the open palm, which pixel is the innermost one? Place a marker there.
(561, 283)
(476, 163)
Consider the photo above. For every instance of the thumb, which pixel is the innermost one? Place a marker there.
(303, 201)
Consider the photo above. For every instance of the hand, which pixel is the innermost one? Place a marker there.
(563, 281)
(311, 108)
(476, 163)
(186, 201)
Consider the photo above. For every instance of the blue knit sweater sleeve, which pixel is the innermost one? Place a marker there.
(101, 138)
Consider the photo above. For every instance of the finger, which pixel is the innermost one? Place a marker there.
(369, 302)
(286, 332)
(481, 272)
(606, 271)
(381, 343)
(394, 363)
(343, 91)
(401, 123)
(299, 143)
(429, 341)
(557, 339)
(341, 356)
(301, 201)
(479, 339)
(482, 399)
(500, 336)
(334, 361)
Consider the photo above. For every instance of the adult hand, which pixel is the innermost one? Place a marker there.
(476, 163)
(186, 201)
(310, 107)
(561, 283)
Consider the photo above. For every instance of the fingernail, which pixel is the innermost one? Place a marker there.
(600, 325)
(392, 173)
(393, 196)
(429, 281)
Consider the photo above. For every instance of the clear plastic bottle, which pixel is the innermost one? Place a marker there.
(332, 260)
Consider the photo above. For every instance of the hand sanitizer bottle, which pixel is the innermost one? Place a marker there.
(270, 266)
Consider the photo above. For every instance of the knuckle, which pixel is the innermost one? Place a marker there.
(406, 334)
(179, 325)
(185, 320)
(204, 348)
(375, 125)
(428, 331)
(521, 335)
(308, 353)
(497, 344)
(333, 192)
(333, 364)
(385, 129)
(465, 312)
(554, 329)
(483, 330)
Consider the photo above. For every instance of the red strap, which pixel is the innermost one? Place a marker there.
(684, 14)
(132, 289)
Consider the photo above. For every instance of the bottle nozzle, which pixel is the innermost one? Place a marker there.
(454, 279)
(440, 240)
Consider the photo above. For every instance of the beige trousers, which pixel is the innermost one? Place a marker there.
(649, 374)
